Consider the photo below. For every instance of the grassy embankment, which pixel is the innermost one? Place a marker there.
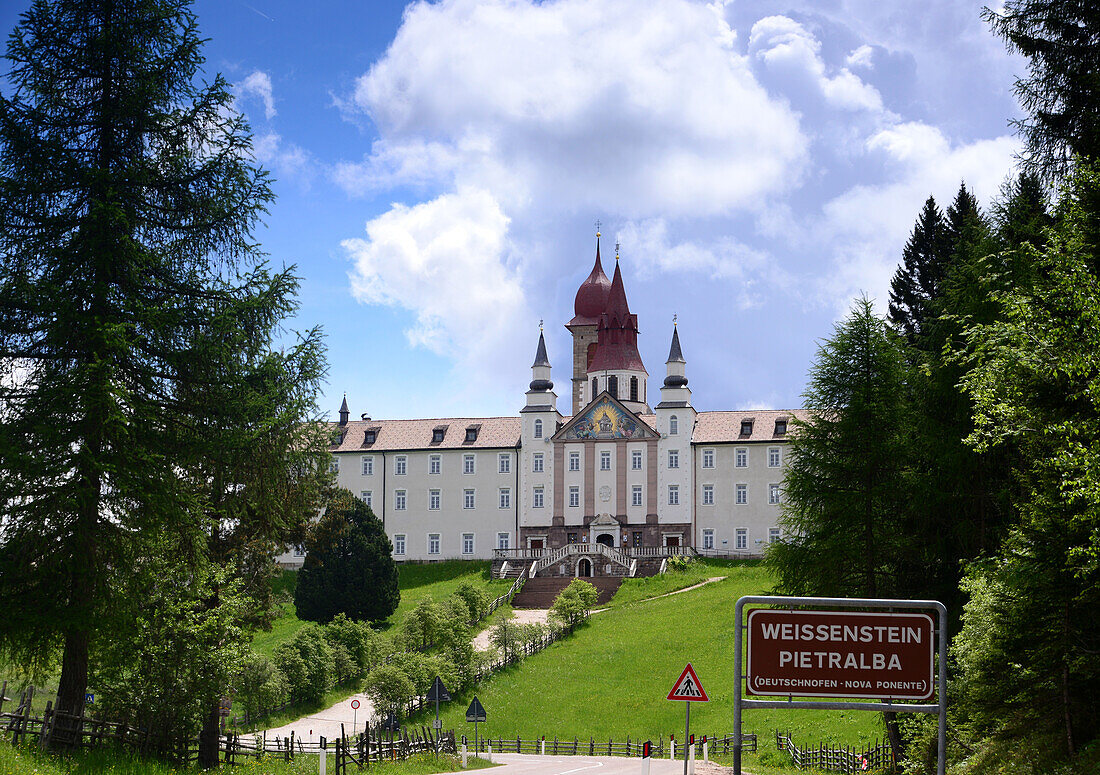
(416, 581)
(610, 679)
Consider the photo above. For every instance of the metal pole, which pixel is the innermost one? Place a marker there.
(941, 754)
(687, 728)
(737, 689)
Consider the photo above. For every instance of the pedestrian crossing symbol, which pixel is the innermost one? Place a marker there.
(688, 688)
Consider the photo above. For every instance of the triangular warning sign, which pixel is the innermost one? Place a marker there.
(688, 688)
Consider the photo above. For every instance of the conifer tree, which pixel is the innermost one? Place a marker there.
(917, 281)
(133, 302)
(1061, 93)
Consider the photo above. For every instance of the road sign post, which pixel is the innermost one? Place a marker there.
(688, 689)
(439, 693)
(869, 654)
(475, 713)
(354, 714)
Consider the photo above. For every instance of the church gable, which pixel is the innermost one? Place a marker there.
(605, 418)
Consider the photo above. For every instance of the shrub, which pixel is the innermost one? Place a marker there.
(389, 688)
(307, 662)
(261, 685)
(573, 603)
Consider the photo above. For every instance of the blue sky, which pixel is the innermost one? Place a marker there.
(440, 167)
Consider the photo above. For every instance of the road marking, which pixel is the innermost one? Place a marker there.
(578, 769)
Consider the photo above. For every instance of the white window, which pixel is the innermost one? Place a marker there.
(741, 457)
(636, 460)
(605, 461)
(636, 495)
(574, 497)
(368, 466)
(366, 496)
(504, 463)
(708, 458)
(742, 538)
(400, 465)
(433, 543)
(299, 550)
(674, 495)
(538, 498)
(399, 543)
(435, 464)
(433, 500)
(538, 429)
(673, 425)
(708, 538)
(399, 500)
(708, 494)
(773, 457)
(574, 461)
(334, 466)
(773, 494)
(773, 535)
(674, 458)
(505, 498)
(467, 499)
(467, 464)
(742, 495)
(504, 540)
(536, 463)
(467, 543)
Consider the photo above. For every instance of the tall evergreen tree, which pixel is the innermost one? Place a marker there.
(917, 281)
(1061, 93)
(848, 507)
(131, 293)
(1035, 382)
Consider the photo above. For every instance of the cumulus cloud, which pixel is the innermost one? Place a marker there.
(258, 85)
(287, 160)
(445, 260)
(789, 49)
(868, 224)
(576, 104)
(861, 57)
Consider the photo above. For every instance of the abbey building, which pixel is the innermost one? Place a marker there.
(626, 466)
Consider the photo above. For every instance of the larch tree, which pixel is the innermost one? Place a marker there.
(132, 295)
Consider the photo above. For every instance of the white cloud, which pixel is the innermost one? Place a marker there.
(869, 224)
(788, 48)
(576, 104)
(861, 57)
(287, 160)
(445, 260)
(258, 84)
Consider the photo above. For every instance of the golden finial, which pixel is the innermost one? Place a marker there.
(597, 228)
(674, 320)
(616, 250)
(540, 325)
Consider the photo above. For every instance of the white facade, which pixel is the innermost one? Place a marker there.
(614, 471)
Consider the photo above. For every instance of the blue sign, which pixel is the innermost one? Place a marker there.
(89, 698)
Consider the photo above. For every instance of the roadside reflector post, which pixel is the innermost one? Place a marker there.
(542, 745)
(691, 753)
(322, 762)
(463, 756)
(671, 747)
(706, 743)
(645, 758)
(489, 755)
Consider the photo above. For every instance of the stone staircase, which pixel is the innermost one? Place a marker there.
(540, 592)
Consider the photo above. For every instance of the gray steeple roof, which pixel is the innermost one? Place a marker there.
(540, 353)
(674, 354)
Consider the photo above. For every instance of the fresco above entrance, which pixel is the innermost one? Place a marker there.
(605, 420)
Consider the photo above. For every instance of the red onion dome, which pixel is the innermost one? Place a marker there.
(592, 295)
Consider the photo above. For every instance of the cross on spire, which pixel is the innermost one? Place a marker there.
(598, 227)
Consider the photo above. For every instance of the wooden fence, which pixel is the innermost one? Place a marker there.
(24, 727)
(846, 759)
(577, 747)
(386, 746)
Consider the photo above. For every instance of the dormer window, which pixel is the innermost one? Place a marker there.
(471, 433)
(746, 427)
(370, 436)
(438, 434)
(781, 426)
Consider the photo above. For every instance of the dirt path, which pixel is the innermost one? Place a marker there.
(519, 616)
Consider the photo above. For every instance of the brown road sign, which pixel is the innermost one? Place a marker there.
(840, 654)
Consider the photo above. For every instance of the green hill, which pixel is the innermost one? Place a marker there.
(610, 679)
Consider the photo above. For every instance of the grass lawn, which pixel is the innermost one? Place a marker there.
(609, 679)
(635, 590)
(29, 761)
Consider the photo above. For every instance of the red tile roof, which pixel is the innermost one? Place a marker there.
(717, 427)
(417, 434)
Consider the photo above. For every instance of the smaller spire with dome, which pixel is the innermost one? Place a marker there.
(344, 411)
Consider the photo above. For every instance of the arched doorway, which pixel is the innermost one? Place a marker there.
(606, 539)
(584, 568)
